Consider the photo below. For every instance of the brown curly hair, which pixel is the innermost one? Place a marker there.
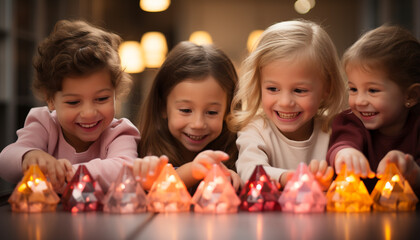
(77, 48)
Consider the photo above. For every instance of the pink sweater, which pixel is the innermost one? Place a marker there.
(104, 158)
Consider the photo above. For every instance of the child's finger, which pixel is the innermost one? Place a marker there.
(68, 169)
(314, 166)
(136, 168)
(60, 172)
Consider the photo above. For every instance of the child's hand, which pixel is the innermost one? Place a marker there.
(404, 162)
(204, 161)
(236, 180)
(354, 161)
(147, 169)
(285, 177)
(56, 170)
(322, 172)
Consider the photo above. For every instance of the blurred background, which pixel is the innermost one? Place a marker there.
(226, 23)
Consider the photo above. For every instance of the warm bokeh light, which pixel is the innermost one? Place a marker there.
(302, 6)
(200, 38)
(131, 55)
(154, 5)
(252, 39)
(154, 48)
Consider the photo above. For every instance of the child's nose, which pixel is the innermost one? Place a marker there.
(198, 121)
(285, 100)
(361, 99)
(88, 111)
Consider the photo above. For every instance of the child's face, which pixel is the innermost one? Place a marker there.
(291, 96)
(85, 108)
(195, 112)
(376, 100)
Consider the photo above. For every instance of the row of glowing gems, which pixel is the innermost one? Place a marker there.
(215, 193)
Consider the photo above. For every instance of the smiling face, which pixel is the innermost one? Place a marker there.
(291, 95)
(195, 112)
(376, 100)
(84, 107)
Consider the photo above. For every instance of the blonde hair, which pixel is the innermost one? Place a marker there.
(289, 40)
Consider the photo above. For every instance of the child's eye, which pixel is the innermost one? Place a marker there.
(212, 112)
(373, 90)
(272, 89)
(300, 90)
(72, 102)
(102, 99)
(185, 110)
(352, 89)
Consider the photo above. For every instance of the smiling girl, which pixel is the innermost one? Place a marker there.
(183, 119)
(383, 122)
(291, 87)
(79, 76)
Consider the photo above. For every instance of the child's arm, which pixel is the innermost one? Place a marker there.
(147, 169)
(39, 133)
(405, 163)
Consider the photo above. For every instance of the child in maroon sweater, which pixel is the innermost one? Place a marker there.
(382, 124)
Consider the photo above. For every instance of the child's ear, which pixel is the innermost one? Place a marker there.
(413, 95)
(50, 104)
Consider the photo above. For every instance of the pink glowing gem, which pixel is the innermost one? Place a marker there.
(125, 194)
(215, 194)
(392, 192)
(302, 193)
(348, 194)
(34, 193)
(82, 193)
(259, 193)
(168, 193)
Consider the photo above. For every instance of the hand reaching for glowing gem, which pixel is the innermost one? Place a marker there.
(204, 161)
(405, 164)
(322, 172)
(57, 170)
(147, 169)
(355, 162)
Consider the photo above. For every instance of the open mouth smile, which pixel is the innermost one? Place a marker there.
(88, 125)
(195, 137)
(288, 116)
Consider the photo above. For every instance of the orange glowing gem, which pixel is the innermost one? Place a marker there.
(125, 195)
(215, 194)
(302, 193)
(392, 192)
(34, 193)
(348, 193)
(168, 193)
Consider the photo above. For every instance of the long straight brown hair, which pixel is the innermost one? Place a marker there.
(186, 61)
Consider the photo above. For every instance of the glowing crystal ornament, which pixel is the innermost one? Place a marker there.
(302, 193)
(125, 195)
(168, 193)
(392, 192)
(348, 194)
(82, 193)
(34, 193)
(259, 193)
(215, 194)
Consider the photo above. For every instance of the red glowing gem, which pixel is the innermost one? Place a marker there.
(125, 194)
(302, 193)
(33, 193)
(215, 194)
(82, 193)
(259, 193)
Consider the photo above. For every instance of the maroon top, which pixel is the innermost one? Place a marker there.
(349, 131)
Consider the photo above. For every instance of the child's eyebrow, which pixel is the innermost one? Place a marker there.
(189, 101)
(97, 92)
